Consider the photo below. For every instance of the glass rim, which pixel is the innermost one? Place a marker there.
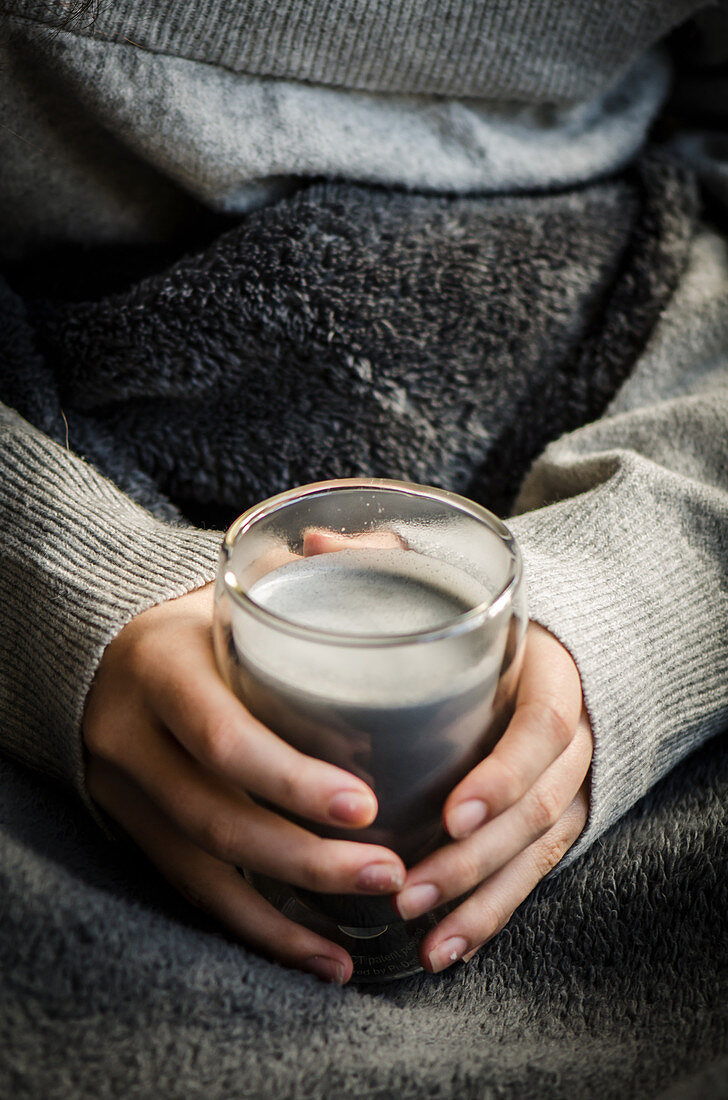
(468, 620)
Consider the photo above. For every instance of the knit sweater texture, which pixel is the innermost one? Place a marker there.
(126, 122)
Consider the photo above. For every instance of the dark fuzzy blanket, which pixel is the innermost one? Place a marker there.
(354, 331)
(349, 331)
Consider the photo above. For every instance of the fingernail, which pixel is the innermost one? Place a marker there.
(465, 818)
(329, 970)
(351, 807)
(416, 900)
(471, 954)
(385, 878)
(446, 953)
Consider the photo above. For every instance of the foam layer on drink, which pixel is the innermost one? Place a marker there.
(369, 592)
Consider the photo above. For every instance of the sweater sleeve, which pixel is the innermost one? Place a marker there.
(624, 530)
(79, 560)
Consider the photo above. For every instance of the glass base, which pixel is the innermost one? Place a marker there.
(380, 952)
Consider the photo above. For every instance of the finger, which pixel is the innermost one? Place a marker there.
(481, 916)
(214, 886)
(547, 710)
(458, 867)
(190, 699)
(228, 825)
(321, 540)
(271, 559)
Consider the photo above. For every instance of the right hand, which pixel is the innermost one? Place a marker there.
(171, 757)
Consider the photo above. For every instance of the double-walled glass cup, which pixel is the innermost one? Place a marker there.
(377, 625)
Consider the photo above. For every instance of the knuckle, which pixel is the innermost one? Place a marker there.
(510, 784)
(549, 851)
(495, 919)
(289, 778)
(137, 649)
(216, 739)
(192, 893)
(559, 732)
(490, 916)
(316, 868)
(296, 947)
(464, 869)
(543, 809)
(217, 834)
(96, 737)
(111, 717)
(104, 738)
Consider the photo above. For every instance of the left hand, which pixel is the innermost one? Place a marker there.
(514, 815)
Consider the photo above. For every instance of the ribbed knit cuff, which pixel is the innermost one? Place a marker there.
(517, 50)
(629, 576)
(79, 560)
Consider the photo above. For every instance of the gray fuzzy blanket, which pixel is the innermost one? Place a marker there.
(610, 982)
(354, 331)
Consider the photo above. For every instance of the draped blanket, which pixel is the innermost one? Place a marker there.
(350, 331)
(347, 331)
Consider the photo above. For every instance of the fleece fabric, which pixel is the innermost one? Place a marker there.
(350, 331)
(610, 983)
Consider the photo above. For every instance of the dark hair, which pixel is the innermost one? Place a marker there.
(81, 13)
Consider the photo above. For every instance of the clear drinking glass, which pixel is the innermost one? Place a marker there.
(377, 625)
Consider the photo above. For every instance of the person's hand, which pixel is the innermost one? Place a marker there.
(513, 816)
(171, 757)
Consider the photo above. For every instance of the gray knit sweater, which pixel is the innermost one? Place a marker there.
(122, 126)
